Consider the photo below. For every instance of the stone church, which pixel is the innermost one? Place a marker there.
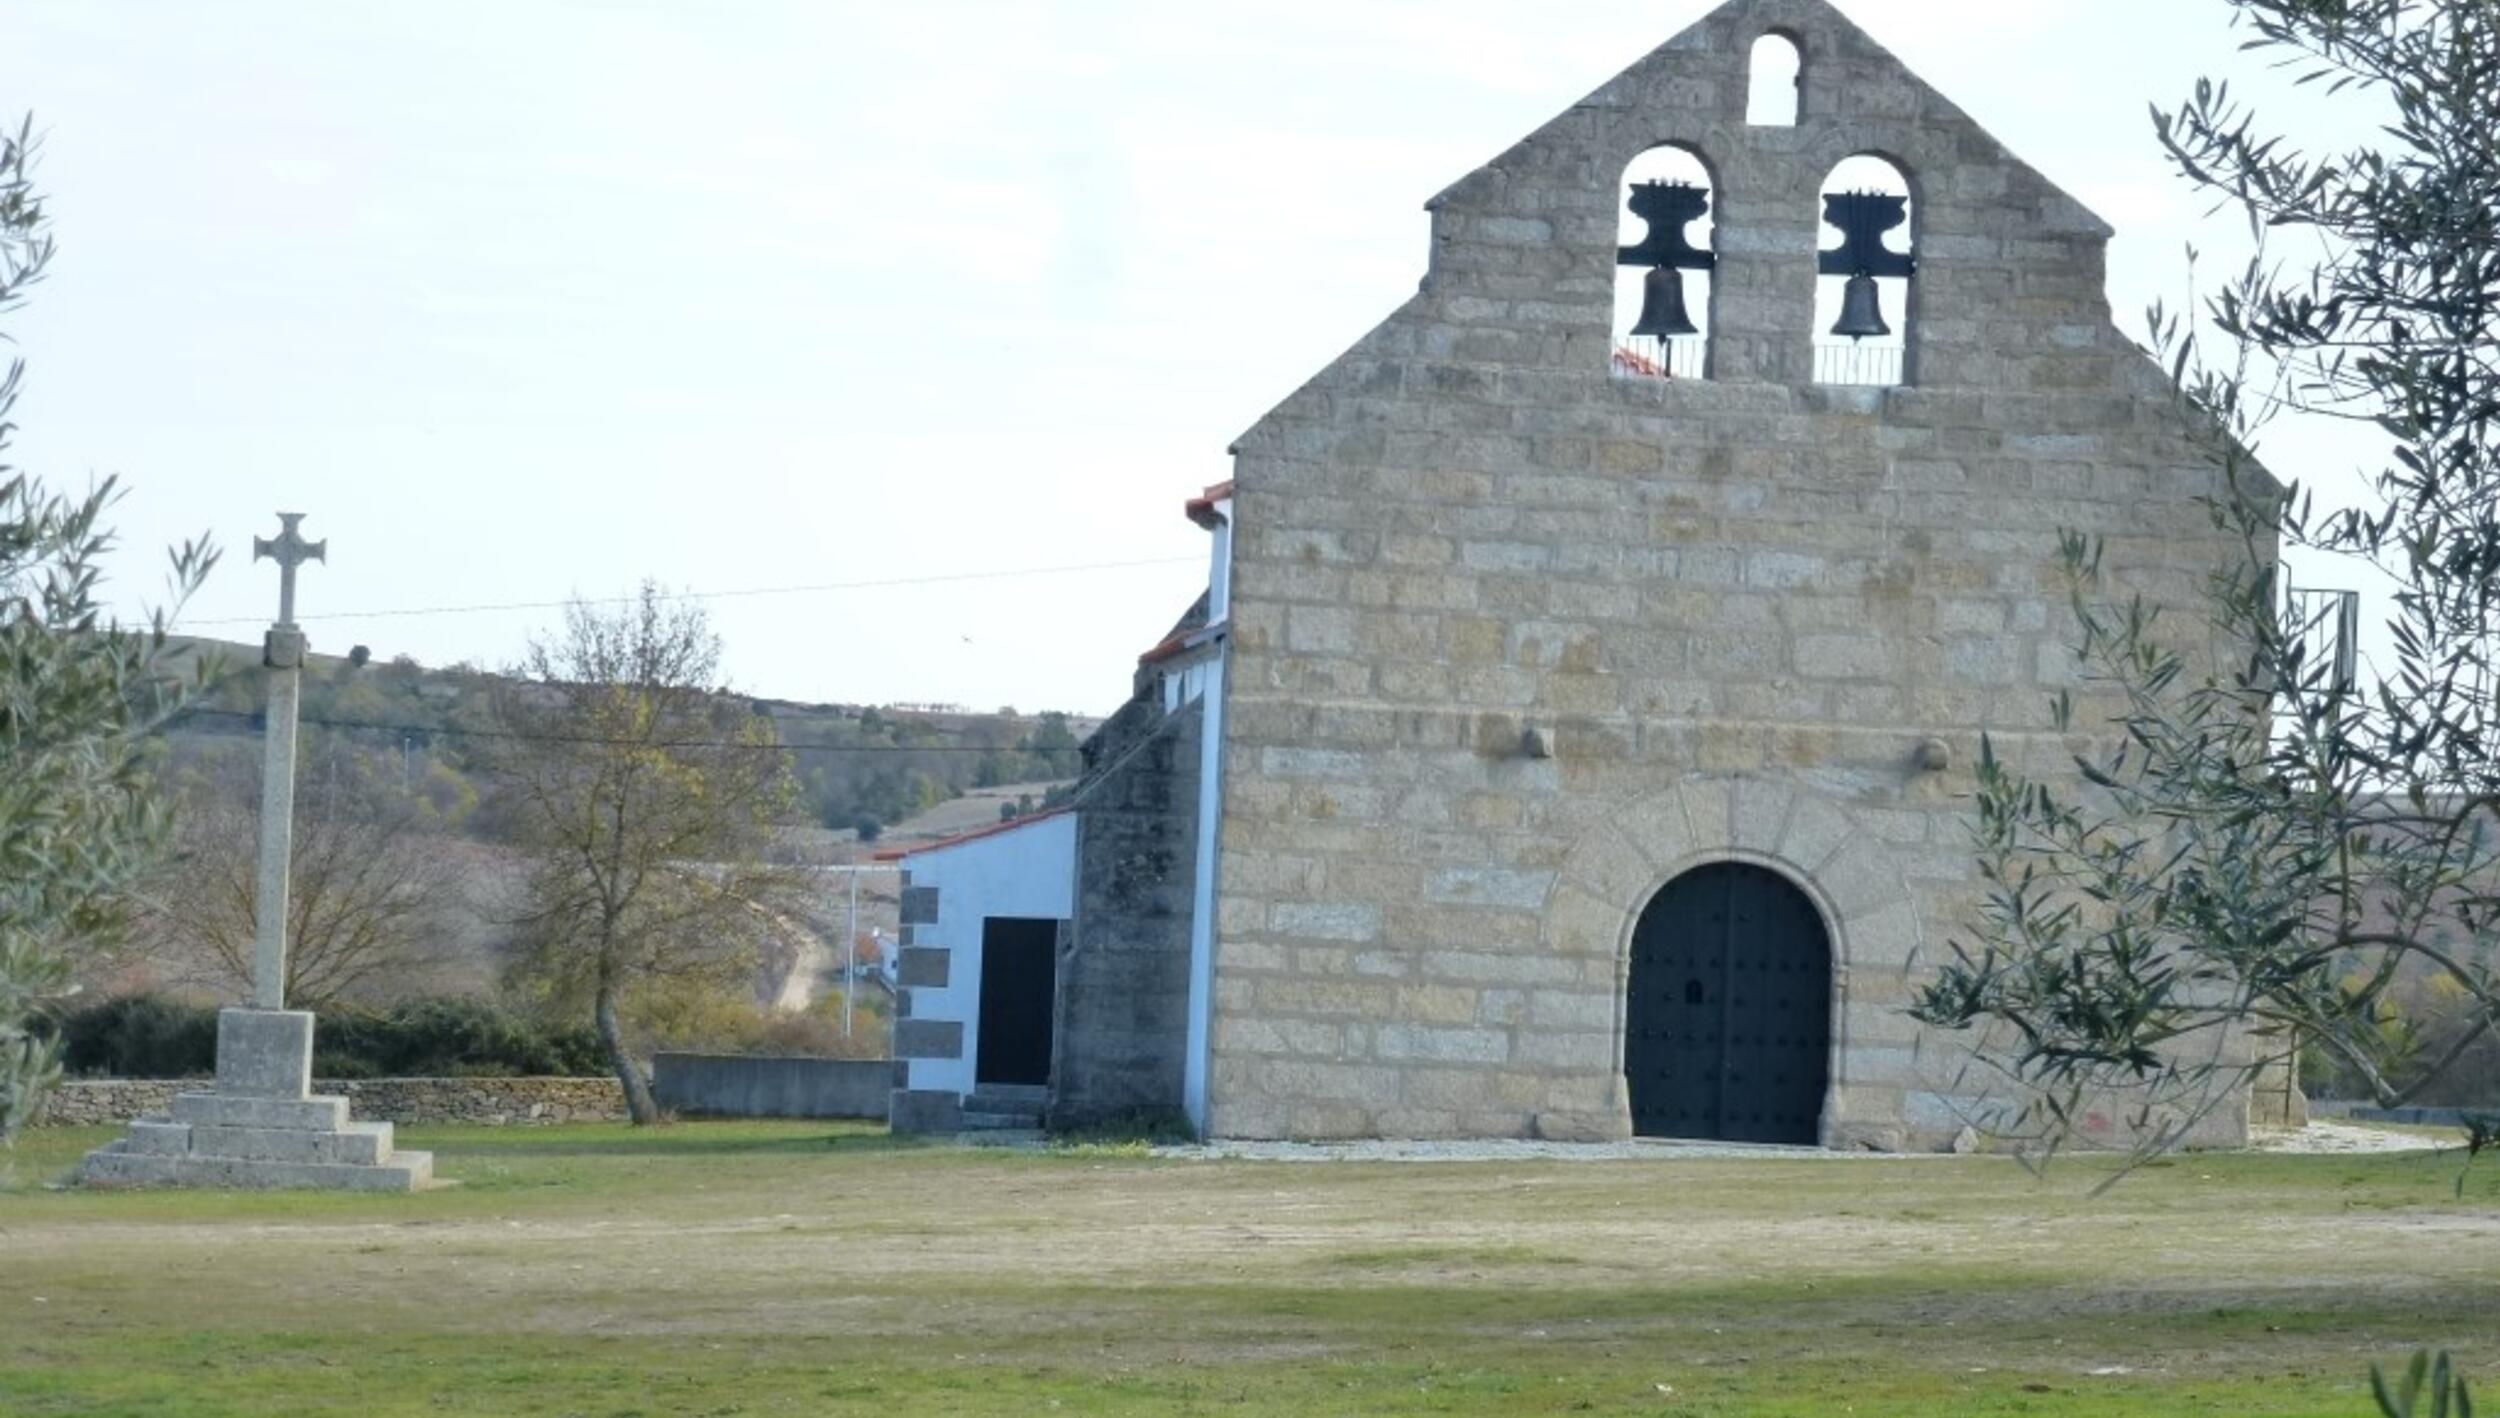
(1575, 739)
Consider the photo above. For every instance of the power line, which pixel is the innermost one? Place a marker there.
(431, 730)
(751, 591)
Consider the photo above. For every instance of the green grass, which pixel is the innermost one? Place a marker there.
(724, 1268)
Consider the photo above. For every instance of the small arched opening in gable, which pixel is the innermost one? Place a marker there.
(1779, 79)
(1665, 267)
(1863, 303)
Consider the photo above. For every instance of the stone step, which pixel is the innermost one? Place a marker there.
(112, 1166)
(156, 1137)
(1009, 1102)
(316, 1114)
(1002, 1137)
(997, 1122)
(357, 1144)
(1007, 1097)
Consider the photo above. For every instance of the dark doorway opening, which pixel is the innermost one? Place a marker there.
(1019, 979)
(1727, 1025)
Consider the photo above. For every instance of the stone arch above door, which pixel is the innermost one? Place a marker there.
(1610, 874)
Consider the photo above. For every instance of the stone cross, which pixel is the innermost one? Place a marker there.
(263, 1127)
(282, 651)
(290, 550)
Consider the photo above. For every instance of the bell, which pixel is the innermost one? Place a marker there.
(1662, 306)
(1862, 310)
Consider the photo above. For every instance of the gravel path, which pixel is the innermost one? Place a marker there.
(2320, 1137)
(1642, 1150)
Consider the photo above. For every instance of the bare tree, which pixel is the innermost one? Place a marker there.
(644, 801)
(375, 884)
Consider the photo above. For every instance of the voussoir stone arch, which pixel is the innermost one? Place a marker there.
(1612, 872)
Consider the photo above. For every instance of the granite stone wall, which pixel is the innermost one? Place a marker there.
(404, 1101)
(1122, 1021)
(1736, 609)
(749, 1086)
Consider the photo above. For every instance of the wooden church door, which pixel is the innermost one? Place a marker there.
(1727, 1025)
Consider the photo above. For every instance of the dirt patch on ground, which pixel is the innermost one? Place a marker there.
(2324, 1138)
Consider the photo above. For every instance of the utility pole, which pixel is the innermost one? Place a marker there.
(850, 942)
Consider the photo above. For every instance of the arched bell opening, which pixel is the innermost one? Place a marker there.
(1777, 90)
(1665, 267)
(1863, 305)
(1728, 1009)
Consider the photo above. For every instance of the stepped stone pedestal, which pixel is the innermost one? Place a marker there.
(261, 1127)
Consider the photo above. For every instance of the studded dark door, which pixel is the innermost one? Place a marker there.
(1728, 1023)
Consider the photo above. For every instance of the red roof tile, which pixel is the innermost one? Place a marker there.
(896, 854)
(1201, 508)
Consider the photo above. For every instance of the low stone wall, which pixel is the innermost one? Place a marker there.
(406, 1101)
(110, 1101)
(2413, 1117)
(415, 1101)
(740, 1086)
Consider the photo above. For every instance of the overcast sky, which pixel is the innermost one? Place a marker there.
(523, 298)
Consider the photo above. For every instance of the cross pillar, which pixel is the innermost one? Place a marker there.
(282, 652)
(262, 1126)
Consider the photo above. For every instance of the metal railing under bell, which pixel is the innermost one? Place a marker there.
(1649, 357)
(1853, 363)
(2329, 626)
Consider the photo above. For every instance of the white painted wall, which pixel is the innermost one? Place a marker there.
(1187, 683)
(1208, 685)
(1220, 567)
(1202, 894)
(1029, 870)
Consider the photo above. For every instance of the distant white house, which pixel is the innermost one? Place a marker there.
(983, 913)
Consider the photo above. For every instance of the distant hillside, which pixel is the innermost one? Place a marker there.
(860, 766)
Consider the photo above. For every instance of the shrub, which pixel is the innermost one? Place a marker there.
(329, 1063)
(140, 1036)
(145, 1036)
(724, 1021)
(437, 1038)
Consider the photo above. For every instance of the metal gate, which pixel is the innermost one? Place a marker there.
(1727, 1028)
